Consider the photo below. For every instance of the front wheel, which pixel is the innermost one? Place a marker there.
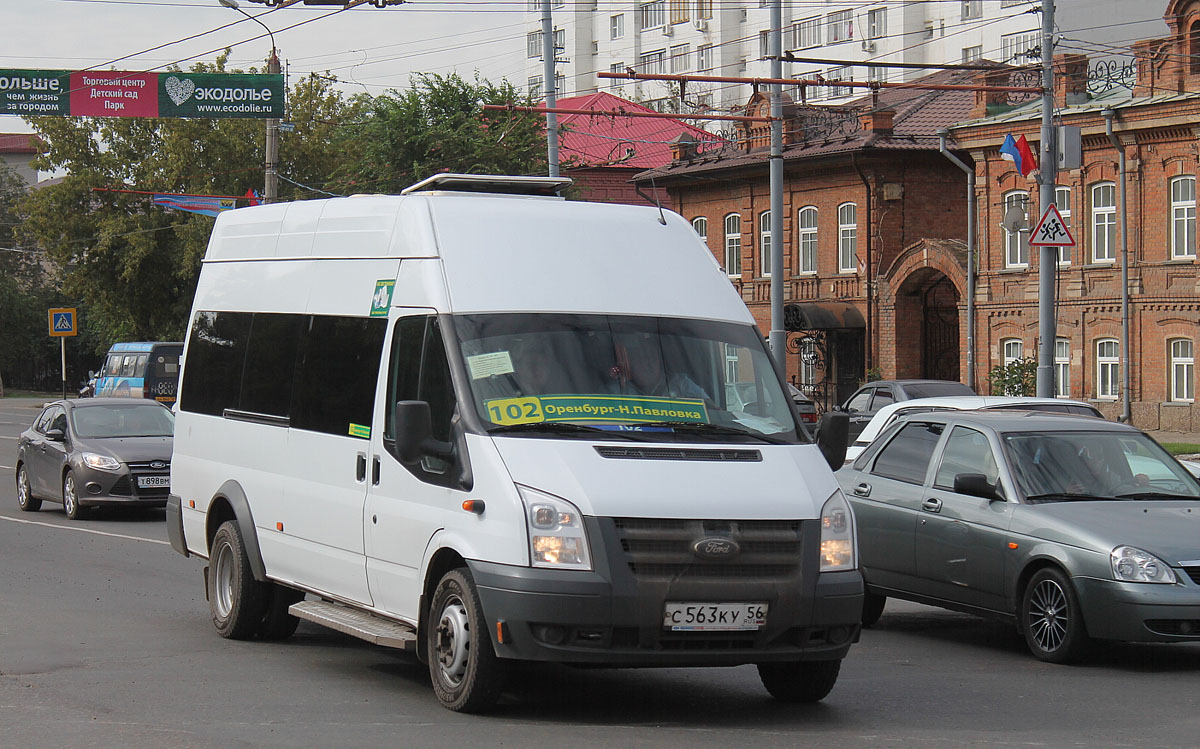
(1051, 619)
(799, 681)
(71, 504)
(25, 499)
(467, 676)
(237, 601)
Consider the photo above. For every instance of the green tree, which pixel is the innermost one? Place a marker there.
(437, 125)
(1018, 377)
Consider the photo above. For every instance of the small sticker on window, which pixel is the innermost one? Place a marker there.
(486, 365)
(359, 430)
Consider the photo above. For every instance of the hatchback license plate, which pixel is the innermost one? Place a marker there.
(148, 481)
(714, 617)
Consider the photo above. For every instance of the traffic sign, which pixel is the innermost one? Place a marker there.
(1051, 230)
(62, 322)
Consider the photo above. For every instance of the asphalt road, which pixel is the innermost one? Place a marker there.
(105, 641)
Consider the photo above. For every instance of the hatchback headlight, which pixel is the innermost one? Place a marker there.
(557, 538)
(1132, 565)
(837, 535)
(103, 462)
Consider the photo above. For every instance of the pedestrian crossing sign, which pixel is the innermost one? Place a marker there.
(62, 322)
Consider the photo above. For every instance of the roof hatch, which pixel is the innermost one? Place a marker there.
(493, 183)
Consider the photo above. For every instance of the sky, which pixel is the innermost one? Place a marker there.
(370, 49)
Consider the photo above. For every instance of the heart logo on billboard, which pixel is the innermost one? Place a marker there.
(180, 91)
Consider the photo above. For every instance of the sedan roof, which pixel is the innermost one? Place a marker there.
(1009, 420)
(883, 416)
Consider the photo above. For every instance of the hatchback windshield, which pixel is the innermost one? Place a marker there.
(1096, 465)
(531, 372)
(133, 420)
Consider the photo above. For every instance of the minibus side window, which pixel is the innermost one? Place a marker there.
(127, 366)
(270, 364)
(404, 373)
(139, 369)
(112, 367)
(437, 388)
(420, 371)
(336, 374)
(216, 355)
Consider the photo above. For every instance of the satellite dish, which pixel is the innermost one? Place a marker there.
(1015, 219)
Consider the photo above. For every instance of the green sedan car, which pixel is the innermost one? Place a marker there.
(1076, 529)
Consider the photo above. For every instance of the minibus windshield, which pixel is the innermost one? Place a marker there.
(654, 376)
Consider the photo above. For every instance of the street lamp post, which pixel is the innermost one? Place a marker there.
(271, 183)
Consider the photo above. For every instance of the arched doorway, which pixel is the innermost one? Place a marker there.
(927, 327)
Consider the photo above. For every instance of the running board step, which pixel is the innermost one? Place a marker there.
(357, 623)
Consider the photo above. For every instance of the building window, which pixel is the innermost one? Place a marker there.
(533, 44)
(1183, 218)
(703, 8)
(535, 86)
(651, 15)
(616, 26)
(1183, 371)
(839, 27)
(764, 244)
(1062, 368)
(877, 74)
(617, 68)
(704, 57)
(807, 33)
(653, 62)
(806, 234)
(1011, 351)
(1016, 243)
(1020, 48)
(679, 11)
(764, 43)
(1108, 368)
(700, 224)
(1062, 201)
(1011, 3)
(808, 362)
(834, 75)
(971, 54)
(877, 23)
(733, 244)
(972, 9)
(1104, 222)
(847, 238)
(679, 57)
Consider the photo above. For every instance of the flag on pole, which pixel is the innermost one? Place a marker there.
(207, 205)
(251, 197)
(1017, 151)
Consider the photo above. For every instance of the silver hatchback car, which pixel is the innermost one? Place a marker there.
(1075, 528)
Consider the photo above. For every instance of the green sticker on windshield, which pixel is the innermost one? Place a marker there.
(616, 409)
(358, 430)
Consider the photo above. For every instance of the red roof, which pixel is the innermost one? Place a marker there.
(603, 140)
(18, 143)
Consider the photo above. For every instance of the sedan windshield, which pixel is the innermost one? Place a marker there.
(132, 420)
(645, 376)
(1101, 465)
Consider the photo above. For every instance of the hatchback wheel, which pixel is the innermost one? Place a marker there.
(25, 498)
(71, 504)
(1051, 619)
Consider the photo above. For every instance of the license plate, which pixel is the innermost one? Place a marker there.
(149, 481)
(714, 617)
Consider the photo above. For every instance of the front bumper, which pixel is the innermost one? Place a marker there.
(613, 616)
(1140, 612)
(94, 487)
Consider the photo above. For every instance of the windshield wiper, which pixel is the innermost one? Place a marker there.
(714, 429)
(558, 427)
(1157, 495)
(1065, 497)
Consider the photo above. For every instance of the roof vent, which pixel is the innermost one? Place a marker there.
(548, 186)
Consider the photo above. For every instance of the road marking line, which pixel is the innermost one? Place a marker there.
(85, 530)
(11, 468)
(2, 437)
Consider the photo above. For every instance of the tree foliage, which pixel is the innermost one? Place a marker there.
(1018, 377)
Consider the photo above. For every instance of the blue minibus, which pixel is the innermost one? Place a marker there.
(142, 369)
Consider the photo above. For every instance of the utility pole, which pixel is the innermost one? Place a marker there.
(1047, 178)
(777, 338)
(549, 53)
(271, 188)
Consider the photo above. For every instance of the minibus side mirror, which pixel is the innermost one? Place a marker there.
(833, 432)
(414, 433)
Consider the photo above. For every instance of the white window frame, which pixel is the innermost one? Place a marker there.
(1183, 217)
(616, 26)
(1062, 368)
(1104, 222)
(835, 75)
(839, 27)
(806, 33)
(1062, 201)
(533, 44)
(764, 244)
(1011, 350)
(653, 62)
(1108, 368)
(877, 74)
(704, 58)
(680, 57)
(971, 54)
(1016, 243)
(972, 10)
(535, 86)
(733, 245)
(877, 23)
(1183, 369)
(806, 239)
(652, 15)
(700, 225)
(617, 68)
(1016, 45)
(847, 237)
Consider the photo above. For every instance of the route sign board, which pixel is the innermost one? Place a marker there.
(1051, 230)
(62, 322)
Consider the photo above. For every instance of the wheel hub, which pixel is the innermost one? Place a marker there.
(452, 642)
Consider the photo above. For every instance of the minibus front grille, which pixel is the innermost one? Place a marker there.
(657, 549)
(679, 453)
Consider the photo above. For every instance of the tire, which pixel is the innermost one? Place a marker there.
(277, 623)
(71, 504)
(873, 604)
(799, 681)
(466, 674)
(1051, 618)
(25, 499)
(237, 601)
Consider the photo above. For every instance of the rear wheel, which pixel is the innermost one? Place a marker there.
(71, 504)
(799, 681)
(467, 676)
(873, 604)
(238, 602)
(1051, 619)
(25, 499)
(277, 623)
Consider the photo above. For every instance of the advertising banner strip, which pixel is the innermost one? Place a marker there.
(114, 93)
(209, 206)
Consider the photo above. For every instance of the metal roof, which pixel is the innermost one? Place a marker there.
(604, 140)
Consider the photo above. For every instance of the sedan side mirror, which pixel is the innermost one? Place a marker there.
(414, 433)
(833, 434)
(55, 435)
(975, 485)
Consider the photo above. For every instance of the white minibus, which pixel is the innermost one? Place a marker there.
(486, 424)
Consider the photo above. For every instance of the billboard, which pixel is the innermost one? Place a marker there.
(114, 93)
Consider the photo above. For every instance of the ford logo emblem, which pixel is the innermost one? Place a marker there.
(716, 548)
(157, 464)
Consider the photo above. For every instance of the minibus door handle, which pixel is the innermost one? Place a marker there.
(375, 470)
(360, 470)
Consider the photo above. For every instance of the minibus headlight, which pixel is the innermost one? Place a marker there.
(103, 462)
(837, 535)
(557, 538)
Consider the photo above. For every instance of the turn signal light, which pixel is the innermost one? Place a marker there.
(473, 505)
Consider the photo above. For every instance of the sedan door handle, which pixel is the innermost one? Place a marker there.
(360, 468)
(932, 505)
(862, 490)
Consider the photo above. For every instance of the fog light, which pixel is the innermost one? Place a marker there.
(551, 634)
(93, 487)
